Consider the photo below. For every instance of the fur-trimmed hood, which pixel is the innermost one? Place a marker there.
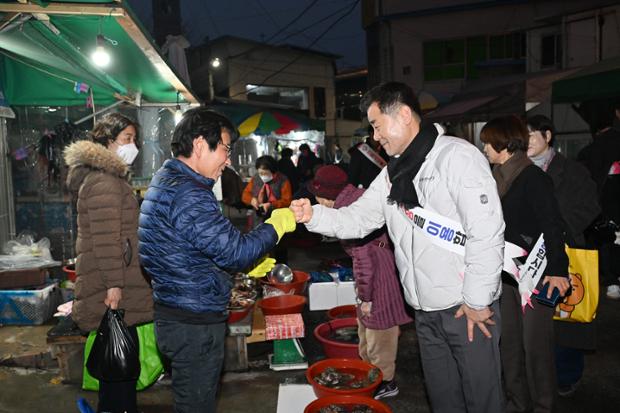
(83, 157)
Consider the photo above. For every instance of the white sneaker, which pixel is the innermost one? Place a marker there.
(613, 292)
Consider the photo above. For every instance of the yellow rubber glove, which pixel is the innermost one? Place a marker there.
(264, 266)
(283, 221)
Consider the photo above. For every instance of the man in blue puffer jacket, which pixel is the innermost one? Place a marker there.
(187, 246)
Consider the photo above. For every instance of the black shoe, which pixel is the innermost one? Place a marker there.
(386, 389)
(568, 390)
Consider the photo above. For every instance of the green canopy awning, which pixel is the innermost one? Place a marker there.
(599, 81)
(45, 53)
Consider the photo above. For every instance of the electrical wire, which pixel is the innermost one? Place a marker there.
(266, 12)
(270, 53)
(315, 23)
(289, 24)
(212, 20)
(300, 55)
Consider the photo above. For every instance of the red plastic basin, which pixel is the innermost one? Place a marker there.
(282, 304)
(238, 315)
(358, 368)
(342, 311)
(335, 349)
(70, 271)
(298, 285)
(347, 401)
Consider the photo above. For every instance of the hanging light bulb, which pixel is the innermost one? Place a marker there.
(178, 115)
(216, 62)
(100, 56)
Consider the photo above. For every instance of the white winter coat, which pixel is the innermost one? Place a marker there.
(454, 181)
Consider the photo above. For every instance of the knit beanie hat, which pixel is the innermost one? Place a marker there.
(328, 182)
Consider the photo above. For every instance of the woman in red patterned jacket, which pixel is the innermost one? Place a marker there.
(380, 309)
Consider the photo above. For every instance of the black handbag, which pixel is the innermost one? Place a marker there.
(602, 231)
(115, 352)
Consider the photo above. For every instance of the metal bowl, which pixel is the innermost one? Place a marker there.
(241, 279)
(281, 273)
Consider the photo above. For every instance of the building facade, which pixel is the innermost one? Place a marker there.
(487, 58)
(242, 69)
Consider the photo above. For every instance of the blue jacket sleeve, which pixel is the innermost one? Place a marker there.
(198, 219)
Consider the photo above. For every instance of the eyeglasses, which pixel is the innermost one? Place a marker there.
(228, 148)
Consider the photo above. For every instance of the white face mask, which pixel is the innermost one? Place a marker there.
(266, 178)
(128, 152)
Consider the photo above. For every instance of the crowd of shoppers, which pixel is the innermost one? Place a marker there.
(417, 206)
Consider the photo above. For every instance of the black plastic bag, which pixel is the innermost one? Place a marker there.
(115, 352)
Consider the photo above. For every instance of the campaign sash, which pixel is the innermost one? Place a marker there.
(450, 235)
(372, 156)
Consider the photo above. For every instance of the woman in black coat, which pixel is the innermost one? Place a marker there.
(577, 199)
(530, 210)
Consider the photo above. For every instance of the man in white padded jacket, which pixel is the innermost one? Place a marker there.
(440, 203)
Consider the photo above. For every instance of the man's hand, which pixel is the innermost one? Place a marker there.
(302, 209)
(113, 297)
(266, 206)
(476, 317)
(561, 283)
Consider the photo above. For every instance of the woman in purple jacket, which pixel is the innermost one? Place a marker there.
(380, 308)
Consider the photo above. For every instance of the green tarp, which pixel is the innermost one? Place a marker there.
(599, 81)
(40, 67)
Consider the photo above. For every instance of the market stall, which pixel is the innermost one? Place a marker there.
(57, 89)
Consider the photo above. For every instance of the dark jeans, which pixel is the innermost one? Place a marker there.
(569, 365)
(196, 353)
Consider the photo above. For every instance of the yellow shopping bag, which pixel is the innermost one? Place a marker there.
(580, 306)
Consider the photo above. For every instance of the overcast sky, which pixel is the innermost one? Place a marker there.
(267, 20)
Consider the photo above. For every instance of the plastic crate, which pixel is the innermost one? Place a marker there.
(29, 306)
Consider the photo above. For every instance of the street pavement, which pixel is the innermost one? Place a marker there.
(39, 390)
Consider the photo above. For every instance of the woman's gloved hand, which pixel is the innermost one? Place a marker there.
(264, 266)
(283, 221)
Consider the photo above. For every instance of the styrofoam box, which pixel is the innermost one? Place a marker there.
(323, 296)
(346, 293)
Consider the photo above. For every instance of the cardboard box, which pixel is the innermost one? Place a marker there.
(323, 296)
(346, 293)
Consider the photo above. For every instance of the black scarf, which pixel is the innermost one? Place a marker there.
(403, 169)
